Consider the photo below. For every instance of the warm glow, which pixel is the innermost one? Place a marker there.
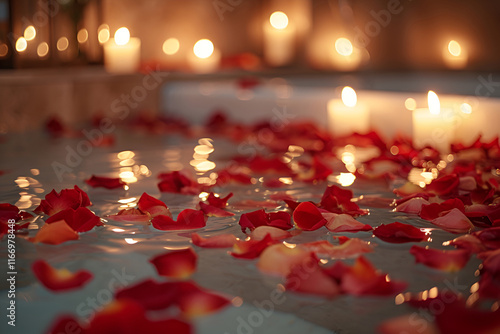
(410, 104)
(346, 179)
(62, 44)
(454, 48)
(21, 44)
(29, 33)
(349, 96)
(4, 49)
(279, 20)
(433, 101)
(122, 36)
(42, 50)
(103, 33)
(82, 36)
(344, 47)
(466, 108)
(203, 48)
(171, 46)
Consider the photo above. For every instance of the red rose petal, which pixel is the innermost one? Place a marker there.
(468, 242)
(151, 294)
(454, 221)
(176, 264)
(307, 217)
(67, 198)
(131, 215)
(276, 233)
(55, 233)
(213, 211)
(177, 182)
(414, 205)
(347, 249)
(153, 206)
(7, 212)
(251, 249)
(445, 185)
(338, 200)
(407, 324)
(218, 202)
(490, 237)
(59, 279)
(435, 210)
(363, 279)
(105, 182)
(445, 260)
(310, 278)
(81, 219)
(188, 219)
(398, 233)
(199, 302)
(251, 204)
(217, 241)
(344, 223)
(279, 259)
(251, 220)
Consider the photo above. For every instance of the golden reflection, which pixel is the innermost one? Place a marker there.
(204, 195)
(421, 176)
(22, 182)
(286, 180)
(289, 245)
(123, 155)
(127, 162)
(118, 230)
(399, 299)
(237, 301)
(346, 179)
(127, 200)
(200, 160)
(24, 201)
(127, 175)
(131, 241)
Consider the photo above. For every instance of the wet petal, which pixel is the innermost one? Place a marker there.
(179, 264)
(413, 205)
(213, 211)
(398, 233)
(66, 198)
(217, 241)
(310, 278)
(348, 249)
(308, 217)
(276, 233)
(446, 260)
(105, 182)
(81, 219)
(454, 221)
(55, 233)
(344, 223)
(153, 206)
(188, 219)
(435, 210)
(59, 279)
(279, 259)
(251, 249)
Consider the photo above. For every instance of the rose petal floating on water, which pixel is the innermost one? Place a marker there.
(131, 215)
(275, 233)
(251, 249)
(445, 260)
(279, 259)
(218, 202)
(310, 278)
(435, 210)
(80, 220)
(454, 221)
(307, 217)
(55, 233)
(347, 249)
(413, 205)
(59, 279)
(444, 185)
(66, 198)
(344, 223)
(153, 206)
(398, 233)
(178, 182)
(105, 182)
(178, 264)
(251, 220)
(188, 219)
(217, 241)
(213, 211)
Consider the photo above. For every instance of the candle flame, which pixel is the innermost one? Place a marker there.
(454, 48)
(122, 36)
(344, 47)
(203, 48)
(278, 20)
(433, 102)
(349, 96)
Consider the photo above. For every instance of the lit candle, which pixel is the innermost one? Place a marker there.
(345, 56)
(433, 126)
(205, 57)
(347, 116)
(122, 54)
(454, 55)
(279, 40)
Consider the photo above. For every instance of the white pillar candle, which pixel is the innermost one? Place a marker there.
(346, 116)
(205, 57)
(279, 40)
(122, 54)
(433, 126)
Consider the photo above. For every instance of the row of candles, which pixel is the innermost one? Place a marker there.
(433, 126)
(122, 54)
